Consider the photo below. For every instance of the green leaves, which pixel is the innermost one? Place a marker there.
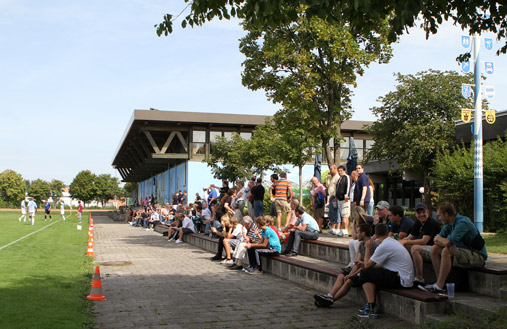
(12, 187)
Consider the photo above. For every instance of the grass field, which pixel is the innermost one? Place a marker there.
(45, 277)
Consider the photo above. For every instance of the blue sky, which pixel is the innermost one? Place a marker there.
(72, 72)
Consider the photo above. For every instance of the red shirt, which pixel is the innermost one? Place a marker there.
(80, 208)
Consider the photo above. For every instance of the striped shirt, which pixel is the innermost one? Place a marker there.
(281, 188)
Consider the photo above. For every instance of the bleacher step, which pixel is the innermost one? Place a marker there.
(475, 304)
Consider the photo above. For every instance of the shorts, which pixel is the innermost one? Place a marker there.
(282, 205)
(62, 212)
(187, 231)
(466, 258)
(31, 213)
(318, 213)
(47, 211)
(79, 215)
(333, 212)
(23, 211)
(355, 281)
(380, 277)
(344, 207)
(234, 243)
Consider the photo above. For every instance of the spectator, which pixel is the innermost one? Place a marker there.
(184, 198)
(349, 276)
(153, 220)
(371, 204)
(334, 216)
(180, 197)
(175, 226)
(226, 231)
(400, 224)
(270, 245)
(250, 234)
(175, 199)
(249, 197)
(420, 239)
(187, 227)
(225, 205)
(197, 198)
(213, 195)
(232, 239)
(207, 215)
(382, 215)
(258, 198)
(307, 229)
(240, 201)
(272, 207)
(284, 236)
(318, 201)
(389, 267)
(361, 190)
(359, 217)
(343, 196)
(353, 178)
(458, 244)
(283, 194)
(270, 223)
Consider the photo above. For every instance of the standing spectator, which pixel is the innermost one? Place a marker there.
(343, 196)
(184, 198)
(362, 191)
(32, 209)
(421, 239)
(306, 228)
(249, 197)
(23, 211)
(223, 190)
(197, 198)
(240, 200)
(283, 194)
(458, 244)
(180, 197)
(258, 198)
(272, 207)
(318, 201)
(353, 177)
(213, 195)
(334, 216)
(47, 210)
(372, 200)
(400, 224)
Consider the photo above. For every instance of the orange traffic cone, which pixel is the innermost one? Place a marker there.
(89, 252)
(96, 293)
(90, 239)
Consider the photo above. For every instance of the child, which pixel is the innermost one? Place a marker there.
(270, 244)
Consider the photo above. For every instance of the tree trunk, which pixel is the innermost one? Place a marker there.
(300, 184)
(427, 189)
(325, 147)
(337, 141)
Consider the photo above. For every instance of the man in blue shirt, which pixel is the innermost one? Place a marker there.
(400, 224)
(306, 228)
(361, 188)
(213, 195)
(453, 246)
(47, 210)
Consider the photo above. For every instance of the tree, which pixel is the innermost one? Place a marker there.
(12, 187)
(362, 15)
(310, 67)
(416, 121)
(453, 175)
(39, 190)
(106, 188)
(82, 187)
(56, 187)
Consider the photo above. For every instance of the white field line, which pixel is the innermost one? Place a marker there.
(26, 236)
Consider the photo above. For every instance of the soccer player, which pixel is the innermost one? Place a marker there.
(62, 209)
(23, 211)
(32, 208)
(47, 210)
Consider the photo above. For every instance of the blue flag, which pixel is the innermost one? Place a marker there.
(352, 158)
(317, 167)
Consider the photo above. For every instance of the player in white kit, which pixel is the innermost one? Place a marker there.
(32, 208)
(23, 211)
(62, 209)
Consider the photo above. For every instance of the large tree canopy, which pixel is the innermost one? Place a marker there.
(310, 67)
(361, 14)
(12, 187)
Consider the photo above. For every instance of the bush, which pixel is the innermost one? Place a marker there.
(453, 175)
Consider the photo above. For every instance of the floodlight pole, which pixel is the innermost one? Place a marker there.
(478, 169)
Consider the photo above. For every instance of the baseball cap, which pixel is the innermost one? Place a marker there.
(421, 206)
(382, 205)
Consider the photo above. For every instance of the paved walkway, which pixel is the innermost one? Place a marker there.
(177, 286)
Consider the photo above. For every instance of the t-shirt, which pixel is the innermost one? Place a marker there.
(362, 248)
(393, 256)
(80, 208)
(155, 216)
(362, 180)
(32, 206)
(461, 233)
(276, 231)
(23, 205)
(405, 226)
(227, 200)
(331, 185)
(258, 192)
(243, 195)
(188, 223)
(47, 206)
(431, 228)
(62, 206)
(212, 194)
(281, 188)
(253, 232)
(319, 189)
(238, 232)
(206, 213)
(311, 224)
(274, 241)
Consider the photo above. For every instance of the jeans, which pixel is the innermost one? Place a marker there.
(250, 208)
(272, 210)
(334, 213)
(369, 210)
(295, 239)
(240, 206)
(258, 208)
(216, 224)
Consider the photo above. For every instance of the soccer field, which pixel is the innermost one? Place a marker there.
(44, 277)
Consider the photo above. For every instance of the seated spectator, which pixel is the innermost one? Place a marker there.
(420, 240)
(232, 239)
(250, 234)
(153, 220)
(458, 244)
(187, 227)
(269, 245)
(349, 277)
(284, 235)
(270, 222)
(389, 267)
(174, 226)
(226, 230)
(400, 224)
(359, 217)
(306, 228)
(382, 215)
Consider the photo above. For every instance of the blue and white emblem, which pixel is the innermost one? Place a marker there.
(489, 67)
(465, 41)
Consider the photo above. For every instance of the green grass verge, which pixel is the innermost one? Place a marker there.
(45, 277)
(496, 243)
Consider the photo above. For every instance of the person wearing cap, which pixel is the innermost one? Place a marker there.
(400, 224)
(382, 213)
(420, 239)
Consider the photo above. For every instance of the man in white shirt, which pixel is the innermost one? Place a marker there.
(187, 227)
(32, 209)
(23, 211)
(334, 214)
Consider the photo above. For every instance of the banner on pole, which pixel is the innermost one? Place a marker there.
(488, 43)
(465, 41)
(490, 116)
(466, 90)
(465, 67)
(489, 92)
(466, 115)
(489, 67)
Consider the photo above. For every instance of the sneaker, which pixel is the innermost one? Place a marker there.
(323, 301)
(291, 254)
(227, 261)
(345, 232)
(235, 267)
(179, 241)
(253, 271)
(216, 257)
(332, 231)
(419, 282)
(171, 239)
(433, 288)
(248, 268)
(147, 229)
(361, 310)
(369, 313)
(339, 233)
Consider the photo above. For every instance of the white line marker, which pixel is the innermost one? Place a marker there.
(26, 236)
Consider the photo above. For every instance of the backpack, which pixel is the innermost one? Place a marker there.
(319, 201)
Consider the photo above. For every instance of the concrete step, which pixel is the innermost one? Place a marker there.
(476, 305)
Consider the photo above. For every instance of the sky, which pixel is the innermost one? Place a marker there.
(72, 72)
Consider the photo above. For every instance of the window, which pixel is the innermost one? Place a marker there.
(246, 136)
(213, 135)
(228, 135)
(369, 143)
(199, 142)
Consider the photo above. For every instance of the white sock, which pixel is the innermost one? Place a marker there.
(328, 295)
(345, 232)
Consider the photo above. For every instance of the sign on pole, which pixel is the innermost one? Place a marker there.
(465, 41)
(466, 90)
(489, 67)
(488, 43)
(489, 92)
(466, 115)
(465, 66)
(490, 116)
